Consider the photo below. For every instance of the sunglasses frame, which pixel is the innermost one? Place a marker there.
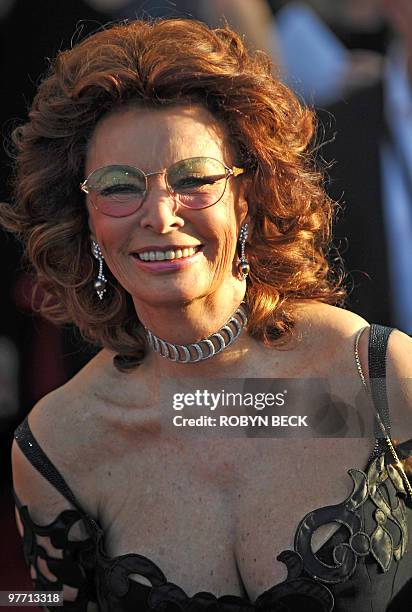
(229, 172)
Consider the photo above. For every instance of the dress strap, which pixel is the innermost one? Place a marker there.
(378, 343)
(38, 458)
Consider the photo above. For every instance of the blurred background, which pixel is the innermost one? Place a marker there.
(349, 59)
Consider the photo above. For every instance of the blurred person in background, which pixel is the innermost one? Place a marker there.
(371, 173)
(327, 49)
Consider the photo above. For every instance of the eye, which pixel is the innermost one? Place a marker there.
(193, 182)
(121, 189)
(116, 181)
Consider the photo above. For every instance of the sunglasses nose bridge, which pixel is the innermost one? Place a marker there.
(158, 188)
(159, 173)
(147, 174)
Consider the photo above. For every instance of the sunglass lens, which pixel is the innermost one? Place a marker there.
(118, 191)
(198, 182)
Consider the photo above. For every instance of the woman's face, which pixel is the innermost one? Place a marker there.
(152, 140)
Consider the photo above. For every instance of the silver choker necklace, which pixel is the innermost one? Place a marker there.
(203, 349)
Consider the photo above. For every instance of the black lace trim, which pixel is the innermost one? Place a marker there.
(76, 567)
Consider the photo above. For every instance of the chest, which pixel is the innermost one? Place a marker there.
(214, 515)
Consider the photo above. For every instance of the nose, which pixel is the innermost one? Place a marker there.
(159, 212)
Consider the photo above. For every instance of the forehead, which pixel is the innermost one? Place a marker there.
(155, 138)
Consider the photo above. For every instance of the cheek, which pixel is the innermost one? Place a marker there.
(111, 235)
(108, 232)
(226, 240)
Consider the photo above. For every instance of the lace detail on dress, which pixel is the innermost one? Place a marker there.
(73, 567)
(383, 486)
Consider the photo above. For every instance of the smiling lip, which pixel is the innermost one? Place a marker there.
(166, 265)
(167, 247)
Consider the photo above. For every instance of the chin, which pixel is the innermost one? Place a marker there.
(167, 297)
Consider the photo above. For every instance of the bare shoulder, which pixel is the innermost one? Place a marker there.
(66, 417)
(325, 318)
(65, 424)
(332, 332)
(330, 325)
(328, 334)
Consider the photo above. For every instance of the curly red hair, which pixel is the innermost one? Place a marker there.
(156, 64)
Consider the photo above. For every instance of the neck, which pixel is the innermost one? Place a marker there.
(187, 323)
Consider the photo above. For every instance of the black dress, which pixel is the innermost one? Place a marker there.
(366, 566)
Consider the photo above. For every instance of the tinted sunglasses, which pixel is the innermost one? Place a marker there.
(197, 182)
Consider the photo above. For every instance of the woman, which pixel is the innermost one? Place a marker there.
(167, 201)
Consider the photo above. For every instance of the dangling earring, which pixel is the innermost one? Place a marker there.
(101, 281)
(243, 265)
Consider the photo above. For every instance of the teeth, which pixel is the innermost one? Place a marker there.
(162, 255)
